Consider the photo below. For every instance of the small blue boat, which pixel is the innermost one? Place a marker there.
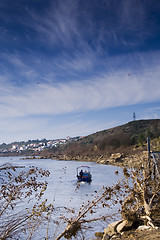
(83, 174)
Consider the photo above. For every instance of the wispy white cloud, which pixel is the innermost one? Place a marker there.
(79, 43)
(74, 57)
(103, 91)
(70, 24)
(58, 23)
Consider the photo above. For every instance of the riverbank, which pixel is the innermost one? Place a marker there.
(134, 158)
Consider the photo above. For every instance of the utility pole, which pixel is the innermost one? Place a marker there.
(134, 116)
(148, 147)
(149, 151)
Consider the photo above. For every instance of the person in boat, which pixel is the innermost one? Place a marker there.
(81, 174)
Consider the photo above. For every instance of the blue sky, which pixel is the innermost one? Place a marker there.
(75, 67)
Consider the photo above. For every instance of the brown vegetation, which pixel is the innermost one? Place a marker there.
(17, 190)
(118, 139)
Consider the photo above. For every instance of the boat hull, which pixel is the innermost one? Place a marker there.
(84, 179)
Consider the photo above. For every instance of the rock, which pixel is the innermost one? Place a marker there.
(143, 227)
(123, 226)
(116, 228)
(116, 156)
(111, 160)
(111, 229)
(102, 161)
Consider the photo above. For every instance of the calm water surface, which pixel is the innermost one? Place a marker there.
(62, 181)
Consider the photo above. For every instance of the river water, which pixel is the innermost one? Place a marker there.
(62, 182)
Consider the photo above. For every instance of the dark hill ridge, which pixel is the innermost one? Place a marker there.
(118, 138)
(131, 128)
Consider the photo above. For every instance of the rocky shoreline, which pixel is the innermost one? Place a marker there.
(116, 159)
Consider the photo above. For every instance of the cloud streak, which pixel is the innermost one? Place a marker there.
(69, 24)
(70, 57)
(103, 91)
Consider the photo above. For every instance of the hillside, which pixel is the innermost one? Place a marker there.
(124, 139)
(118, 139)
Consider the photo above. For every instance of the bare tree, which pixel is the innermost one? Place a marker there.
(104, 199)
(142, 187)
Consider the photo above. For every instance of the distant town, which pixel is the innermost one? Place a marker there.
(35, 145)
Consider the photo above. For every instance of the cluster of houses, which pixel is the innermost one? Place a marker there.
(37, 146)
